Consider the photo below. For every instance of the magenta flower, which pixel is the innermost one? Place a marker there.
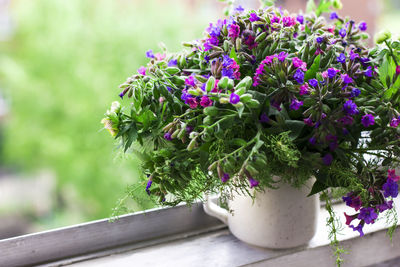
(298, 63)
(192, 102)
(304, 89)
(398, 70)
(234, 98)
(205, 101)
(368, 120)
(392, 175)
(288, 21)
(142, 70)
(233, 31)
(350, 218)
(368, 215)
(190, 81)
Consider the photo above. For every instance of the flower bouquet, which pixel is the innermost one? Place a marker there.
(269, 94)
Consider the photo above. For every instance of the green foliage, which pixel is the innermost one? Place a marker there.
(59, 70)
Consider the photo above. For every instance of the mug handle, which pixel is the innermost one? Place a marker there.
(214, 210)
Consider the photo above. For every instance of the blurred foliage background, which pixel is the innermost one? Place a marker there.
(60, 71)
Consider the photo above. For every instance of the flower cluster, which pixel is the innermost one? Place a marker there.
(368, 212)
(267, 93)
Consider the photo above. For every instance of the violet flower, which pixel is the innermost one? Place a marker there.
(234, 98)
(333, 16)
(295, 104)
(225, 177)
(368, 215)
(363, 26)
(148, 186)
(253, 182)
(390, 188)
(299, 76)
(150, 54)
(341, 58)
(168, 136)
(350, 107)
(368, 120)
(254, 17)
(327, 159)
(359, 228)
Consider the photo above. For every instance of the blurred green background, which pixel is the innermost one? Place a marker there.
(60, 71)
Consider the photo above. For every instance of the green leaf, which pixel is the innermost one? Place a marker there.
(233, 55)
(312, 71)
(323, 7)
(310, 6)
(239, 142)
(295, 127)
(317, 188)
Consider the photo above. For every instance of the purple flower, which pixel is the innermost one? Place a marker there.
(387, 205)
(148, 186)
(350, 107)
(362, 26)
(327, 159)
(253, 17)
(398, 70)
(234, 98)
(313, 82)
(233, 31)
(190, 81)
(225, 177)
(346, 79)
(390, 188)
(359, 228)
(253, 182)
(168, 136)
(215, 30)
(341, 58)
(368, 215)
(353, 56)
(368, 72)
(295, 104)
(364, 61)
(142, 70)
(308, 122)
(395, 122)
(343, 32)
(320, 39)
(300, 19)
(264, 118)
(282, 56)
(332, 72)
(205, 101)
(227, 61)
(368, 120)
(172, 63)
(299, 76)
(352, 201)
(355, 92)
(150, 54)
(312, 141)
(334, 15)
(239, 9)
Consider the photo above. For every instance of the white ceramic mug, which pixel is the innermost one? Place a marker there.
(280, 218)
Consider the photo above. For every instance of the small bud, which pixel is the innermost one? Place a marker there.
(224, 100)
(192, 144)
(223, 83)
(337, 4)
(210, 84)
(245, 98)
(115, 107)
(383, 36)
